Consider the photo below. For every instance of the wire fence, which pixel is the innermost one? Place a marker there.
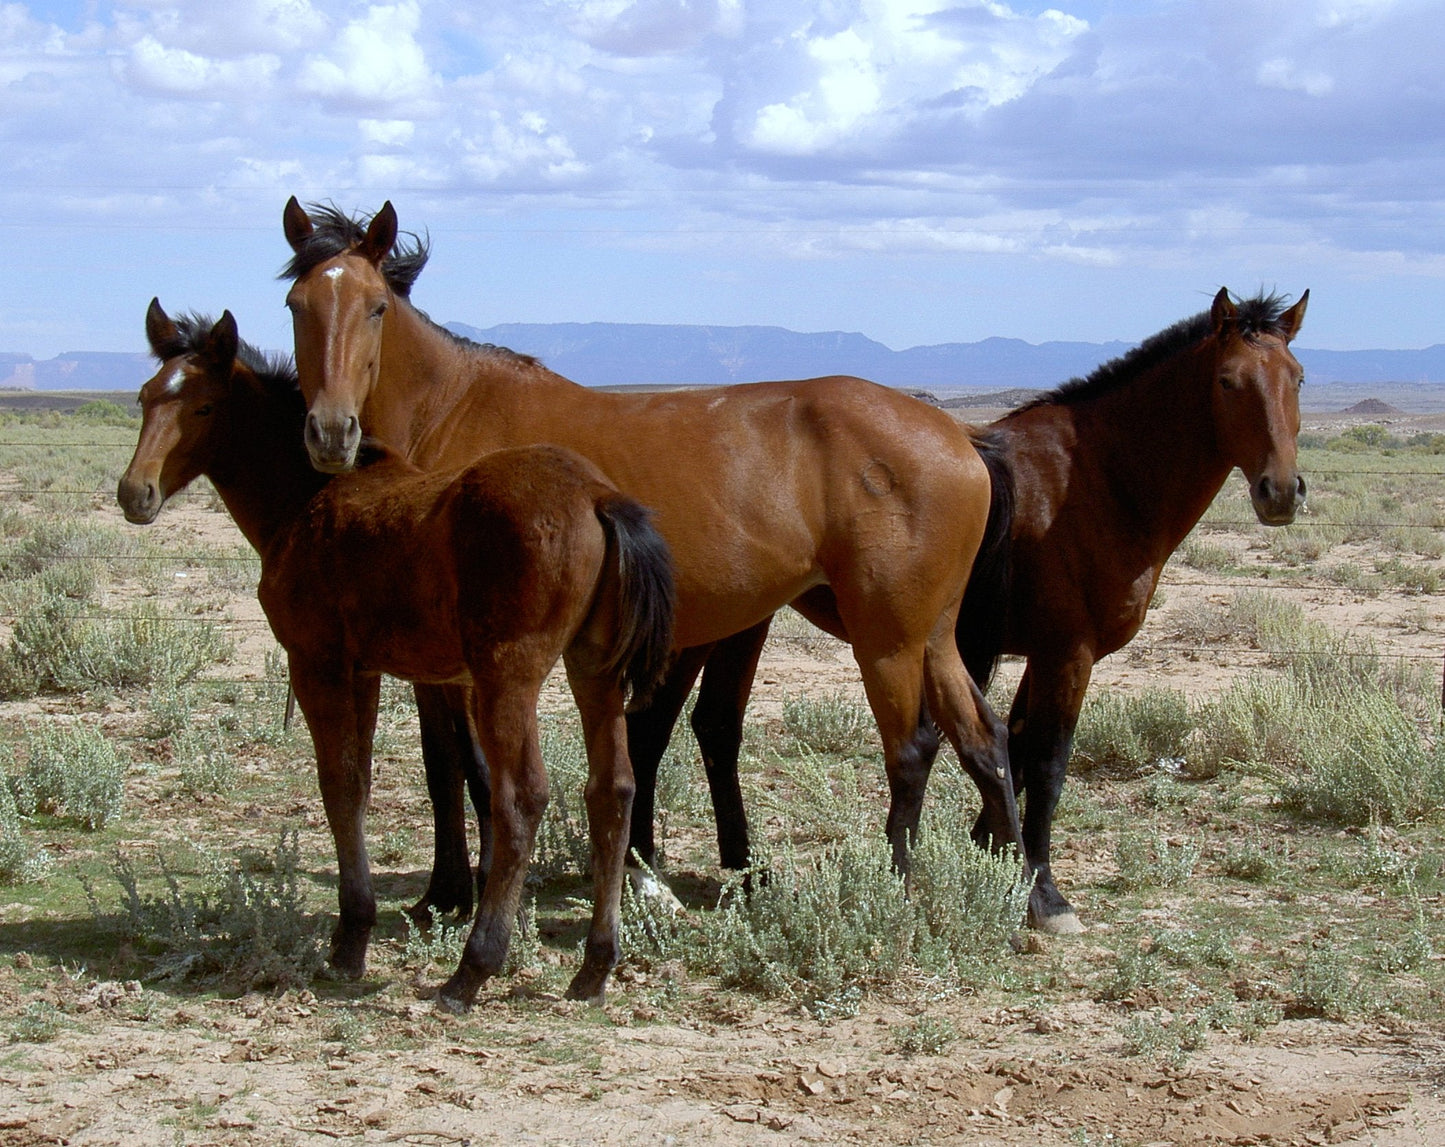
(1144, 646)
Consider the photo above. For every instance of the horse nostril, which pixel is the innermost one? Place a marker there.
(1265, 488)
(1299, 488)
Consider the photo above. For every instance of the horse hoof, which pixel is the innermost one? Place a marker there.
(648, 887)
(1059, 924)
(451, 1006)
(588, 993)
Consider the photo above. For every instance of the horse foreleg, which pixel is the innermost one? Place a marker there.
(1041, 738)
(609, 808)
(506, 723)
(451, 757)
(717, 722)
(340, 712)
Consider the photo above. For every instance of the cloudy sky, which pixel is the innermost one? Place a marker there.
(922, 171)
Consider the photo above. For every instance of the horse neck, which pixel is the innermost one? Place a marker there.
(1152, 446)
(262, 471)
(439, 401)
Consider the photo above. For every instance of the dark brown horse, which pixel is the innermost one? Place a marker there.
(766, 493)
(1109, 474)
(484, 576)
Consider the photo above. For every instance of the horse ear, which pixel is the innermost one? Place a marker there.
(160, 330)
(223, 342)
(380, 235)
(297, 224)
(1291, 321)
(1222, 312)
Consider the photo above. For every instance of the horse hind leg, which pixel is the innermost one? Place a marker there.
(506, 723)
(979, 738)
(717, 722)
(893, 683)
(609, 796)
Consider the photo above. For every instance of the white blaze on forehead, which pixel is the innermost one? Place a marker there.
(172, 383)
(334, 272)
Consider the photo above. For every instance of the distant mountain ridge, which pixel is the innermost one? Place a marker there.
(619, 354)
(615, 354)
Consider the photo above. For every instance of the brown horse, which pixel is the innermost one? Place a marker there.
(1109, 474)
(766, 492)
(485, 576)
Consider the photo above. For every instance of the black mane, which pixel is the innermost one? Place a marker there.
(192, 330)
(333, 232)
(1257, 316)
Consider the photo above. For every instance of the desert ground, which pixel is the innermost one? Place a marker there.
(1178, 1016)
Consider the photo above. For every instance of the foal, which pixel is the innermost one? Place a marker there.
(483, 576)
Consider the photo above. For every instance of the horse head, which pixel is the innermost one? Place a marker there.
(1255, 400)
(178, 409)
(338, 302)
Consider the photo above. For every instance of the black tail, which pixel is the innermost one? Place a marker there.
(646, 594)
(981, 620)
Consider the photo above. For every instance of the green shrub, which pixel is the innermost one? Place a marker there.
(72, 772)
(926, 1035)
(20, 861)
(563, 845)
(824, 928)
(244, 927)
(816, 925)
(832, 724)
(1324, 985)
(206, 765)
(1364, 760)
(1128, 732)
(103, 412)
(1259, 719)
(56, 649)
(39, 1021)
(1154, 861)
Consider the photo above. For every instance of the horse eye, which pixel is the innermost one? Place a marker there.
(1229, 382)
(379, 311)
(202, 411)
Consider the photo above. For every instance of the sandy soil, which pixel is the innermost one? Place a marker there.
(141, 1064)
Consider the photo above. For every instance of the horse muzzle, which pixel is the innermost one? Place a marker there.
(332, 443)
(1276, 503)
(139, 500)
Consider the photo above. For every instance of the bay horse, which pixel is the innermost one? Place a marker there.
(864, 507)
(1109, 474)
(486, 575)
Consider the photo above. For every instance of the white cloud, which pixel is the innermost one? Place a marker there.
(652, 27)
(233, 28)
(387, 132)
(374, 61)
(887, 63)
(175, 71)
(1290, 77)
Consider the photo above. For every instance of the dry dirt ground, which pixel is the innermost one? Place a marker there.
(374, 1063)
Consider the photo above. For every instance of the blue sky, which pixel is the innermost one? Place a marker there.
(922, 171)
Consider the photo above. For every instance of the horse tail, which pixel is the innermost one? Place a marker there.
(983, 616)
(646, 594)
